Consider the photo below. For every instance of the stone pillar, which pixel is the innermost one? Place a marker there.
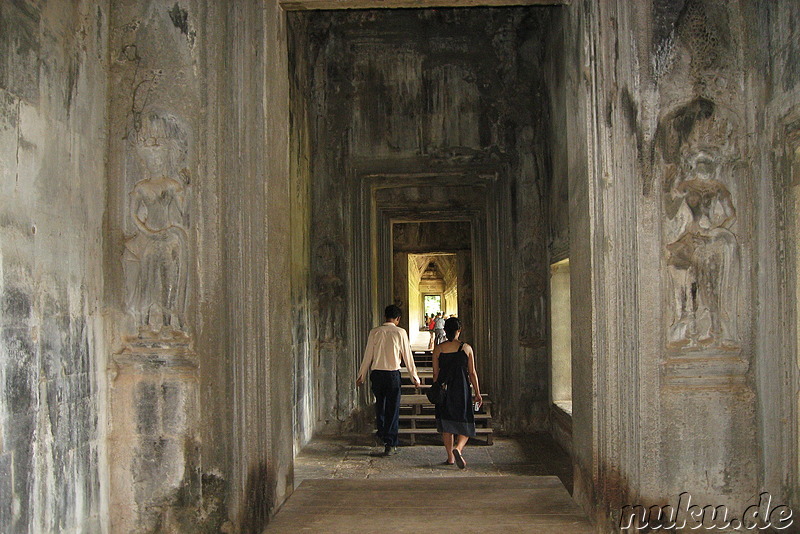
(165, 301)
(775, 86)
(662, 257)
(465, 293)
(400, 290)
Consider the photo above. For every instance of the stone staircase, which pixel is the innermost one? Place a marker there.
(417, 413)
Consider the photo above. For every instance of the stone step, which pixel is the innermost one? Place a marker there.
(417, 403)
(415, 400)
(422, 372)
(407, 431)
(431, 417)
(455, 503)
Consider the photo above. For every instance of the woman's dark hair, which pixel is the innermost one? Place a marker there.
(451, 327)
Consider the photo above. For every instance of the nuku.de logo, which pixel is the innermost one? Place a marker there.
(709, 517)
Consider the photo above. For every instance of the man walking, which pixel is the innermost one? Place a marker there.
(387, 345)
(438, 329)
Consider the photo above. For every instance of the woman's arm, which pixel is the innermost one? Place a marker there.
(473, 375)
(727, 207)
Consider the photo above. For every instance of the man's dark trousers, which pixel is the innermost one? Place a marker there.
(386, 388)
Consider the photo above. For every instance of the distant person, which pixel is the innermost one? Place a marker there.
(431, 325)
(438, 328)
(387, 345)
(454, 364)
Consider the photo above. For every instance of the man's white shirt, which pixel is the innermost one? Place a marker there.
(387, 346)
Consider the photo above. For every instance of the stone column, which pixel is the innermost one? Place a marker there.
(465, 292)
(662, 256)
(400, 290)
(165, 302)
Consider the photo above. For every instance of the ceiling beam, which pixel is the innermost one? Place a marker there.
(310, 5)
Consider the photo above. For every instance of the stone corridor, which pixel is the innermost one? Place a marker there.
(205, 205)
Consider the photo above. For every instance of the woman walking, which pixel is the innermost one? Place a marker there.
(454, 367)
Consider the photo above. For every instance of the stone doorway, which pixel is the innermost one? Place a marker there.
(432, 260)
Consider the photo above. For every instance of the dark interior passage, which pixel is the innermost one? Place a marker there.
(444, 144)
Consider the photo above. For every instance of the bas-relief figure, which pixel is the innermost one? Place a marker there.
(702, 251)
(531, 309)
(532, 298)
(156, 255)
(330, 294)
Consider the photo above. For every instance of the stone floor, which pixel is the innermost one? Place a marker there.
(516, 485)
(350, 457)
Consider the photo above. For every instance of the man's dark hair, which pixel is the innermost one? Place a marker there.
(392, 311)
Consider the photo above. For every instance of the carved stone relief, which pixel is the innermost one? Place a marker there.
(420, 265)
(532, 298)
(156, 253)
(702, 250)
(448, 267)
(330, 293)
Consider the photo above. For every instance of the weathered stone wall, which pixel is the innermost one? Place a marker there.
(534, 184)
(556, 73)
(415, 98)
(696, 187)
(773, 77)
(155, 219)
(53, 83)
(576, 115)
(254, 126)
(198, 248)
(300, 159)
(680, 220)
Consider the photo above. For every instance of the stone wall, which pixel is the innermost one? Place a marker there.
(300, 158)
(53, 80)
(774, 82)
(576, 82)
(254, 126)
(197, 256)
(680, 220)
(155, 218)
(413, 100)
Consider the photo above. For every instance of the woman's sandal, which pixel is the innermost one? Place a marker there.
(447, 463)
(459, 459)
